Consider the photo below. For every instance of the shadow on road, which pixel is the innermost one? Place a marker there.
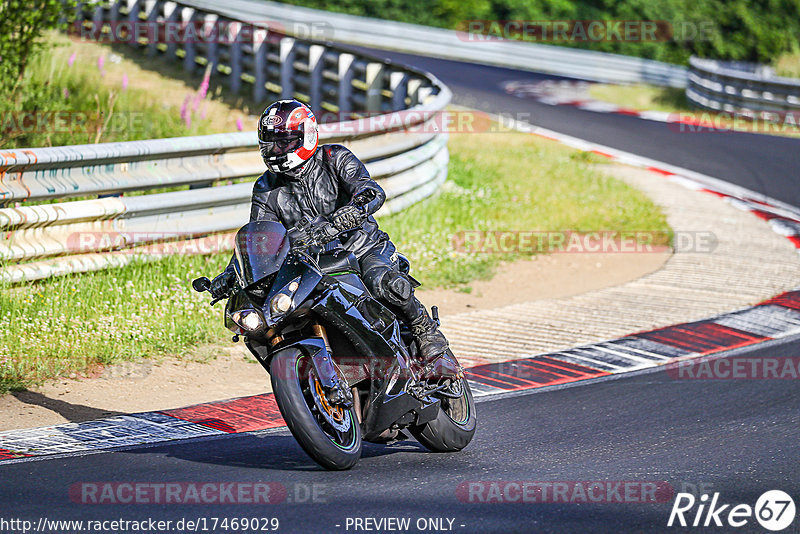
(74, 413)
(262, 451)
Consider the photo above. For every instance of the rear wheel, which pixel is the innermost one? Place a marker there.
(454, 426)
(329, 433)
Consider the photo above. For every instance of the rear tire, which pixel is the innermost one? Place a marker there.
(292, 376)
(454, 426)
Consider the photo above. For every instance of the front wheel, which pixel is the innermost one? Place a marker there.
(454, 426)
(329, 434)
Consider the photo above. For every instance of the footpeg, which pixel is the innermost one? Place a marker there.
(443, 366)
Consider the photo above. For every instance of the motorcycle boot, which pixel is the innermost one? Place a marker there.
(430, 341)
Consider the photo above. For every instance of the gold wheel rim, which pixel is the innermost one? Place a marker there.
(336, 412)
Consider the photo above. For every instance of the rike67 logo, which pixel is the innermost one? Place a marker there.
(774, 510)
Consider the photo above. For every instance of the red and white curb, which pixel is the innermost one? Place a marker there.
(773, 319)
(573, 94)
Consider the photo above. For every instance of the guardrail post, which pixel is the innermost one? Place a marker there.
(399, 87)
(211, 23)
(423, 93)
(113, 15)
(345, 84)
(747, 89)
(171, 14)
(412, 89)
(315, 65)
(133, 19)
(233, 34)
(374, 80)
(97, 21)
(152, 9)
(260, 46)
(190, 17)
(287, 67)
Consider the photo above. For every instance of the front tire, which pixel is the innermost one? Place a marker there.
(310, 421)
(454, 426)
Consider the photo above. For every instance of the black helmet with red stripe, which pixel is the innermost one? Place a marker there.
(288, 135)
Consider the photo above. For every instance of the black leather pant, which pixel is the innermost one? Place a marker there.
(374, 265)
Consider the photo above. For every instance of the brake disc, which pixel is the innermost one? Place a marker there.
(335, 415)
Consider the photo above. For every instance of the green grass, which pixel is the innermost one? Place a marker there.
(641, 96)
(788, 65)
(74, 324)
(508, 181)
(95, 104)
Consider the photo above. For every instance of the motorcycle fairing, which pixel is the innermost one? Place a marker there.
(260, 247)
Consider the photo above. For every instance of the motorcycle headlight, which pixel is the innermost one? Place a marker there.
(248, 319)
(282, 302)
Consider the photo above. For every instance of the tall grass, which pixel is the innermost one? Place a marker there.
(78, 92)
(75, 323)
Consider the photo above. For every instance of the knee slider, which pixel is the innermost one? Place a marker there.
(396, 288)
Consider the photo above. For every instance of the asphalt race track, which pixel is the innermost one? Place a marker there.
(736, 437)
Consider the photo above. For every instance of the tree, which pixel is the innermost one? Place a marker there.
(22, 23)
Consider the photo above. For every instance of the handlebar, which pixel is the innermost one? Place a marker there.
(201, 284)
(308, 233)
(204, 284)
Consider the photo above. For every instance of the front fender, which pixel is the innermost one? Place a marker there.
(314, 348)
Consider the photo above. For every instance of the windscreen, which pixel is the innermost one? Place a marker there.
(260, 248)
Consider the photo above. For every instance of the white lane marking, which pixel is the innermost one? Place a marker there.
(771, 321)
(608, 347)
(571, 357)
(148, 427)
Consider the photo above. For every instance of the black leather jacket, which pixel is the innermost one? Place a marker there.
(332, 178)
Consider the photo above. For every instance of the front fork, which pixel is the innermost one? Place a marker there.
(336, 389)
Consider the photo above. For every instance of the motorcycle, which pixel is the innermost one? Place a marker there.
(343, 368)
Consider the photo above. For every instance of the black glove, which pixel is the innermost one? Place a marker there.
(348, 217)
(324, 233)
(221, 285)
(304, 238)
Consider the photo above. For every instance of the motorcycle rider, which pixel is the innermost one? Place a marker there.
(304, 179)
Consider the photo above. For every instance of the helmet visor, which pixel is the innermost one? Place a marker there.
(280, 143)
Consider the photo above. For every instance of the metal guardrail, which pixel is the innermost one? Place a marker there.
(736, 87)
(245, 52)
(50, 228)
(449, 44)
